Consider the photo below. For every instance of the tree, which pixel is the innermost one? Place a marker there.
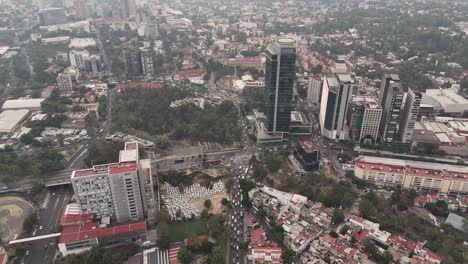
(216, 226)
(367, 209)
(370, 247)
(344, 229)
(37, 188)
(317, 69)
(273, 163)
(185, 256)
(278, 232)
(163, 231)
(29, 222)
(338, 217)
(224, 201)
(288, 256)
(207, 204)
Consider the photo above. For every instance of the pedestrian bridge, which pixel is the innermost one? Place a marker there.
(29, 239)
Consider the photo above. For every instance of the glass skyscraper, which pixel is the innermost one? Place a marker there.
(279, 82)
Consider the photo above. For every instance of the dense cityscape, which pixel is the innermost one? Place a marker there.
(233, 132)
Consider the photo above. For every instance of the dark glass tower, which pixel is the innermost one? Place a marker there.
(279, 82)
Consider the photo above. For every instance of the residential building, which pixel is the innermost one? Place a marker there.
(78, 58)
(128, 8)
(314, 89)
(409, 115)
(390, 99)
(444, 178)
(133, 61)
(147, 63)
(52, 16)
(116, 190)
(370, 122)
(336, 94)
(308, 155)
(261, 250)
(64, 82)
(279, 82)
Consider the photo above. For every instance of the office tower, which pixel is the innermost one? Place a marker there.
(133, 65)
(409, 115)
(52, 16)
(64, 82)
(118, 190)
(81, 9)
(390, 99)
(314, 89)
(279, 81)
(128, 8)
(336, 94)
(308, 155)
(370, 122)
(147, 63)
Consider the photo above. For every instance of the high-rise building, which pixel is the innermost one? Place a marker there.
(409, 115)
(390, 99)
(52, 16)
(334, 103)
(147, 64)
(364, 114)
(81, 9)
(279, 81)
(370, 122)
(314, 89)
(64, 82)
(133, 65)
(308, 155)
(121, 191)
(128, 8)
(78, 58)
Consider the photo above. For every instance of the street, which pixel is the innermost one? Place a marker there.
(47, 223)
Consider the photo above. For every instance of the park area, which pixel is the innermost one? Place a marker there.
(178, 231)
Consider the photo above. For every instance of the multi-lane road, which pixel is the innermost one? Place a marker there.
(48, 220)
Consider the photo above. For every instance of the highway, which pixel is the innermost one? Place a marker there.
(47, 223)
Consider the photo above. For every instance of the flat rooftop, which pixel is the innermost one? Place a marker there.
(418, 168)
(105, 169)
(91, 230)
(308, 146)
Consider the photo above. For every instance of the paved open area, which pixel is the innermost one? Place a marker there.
(13, 211)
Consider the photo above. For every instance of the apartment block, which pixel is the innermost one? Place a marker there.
(444, 178)
(122, 191)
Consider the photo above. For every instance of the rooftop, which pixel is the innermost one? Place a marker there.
(418, 168)
(105, 169)
(9, 119)
(91, 230)
(308, 146)
(23, 103)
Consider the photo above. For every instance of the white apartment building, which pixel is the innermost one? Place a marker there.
(314, 89)
(117, 190)
(64, 82)
(370, 121)
(444, 178)
(409, 115)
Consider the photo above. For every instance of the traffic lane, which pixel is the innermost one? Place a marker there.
(49, 218)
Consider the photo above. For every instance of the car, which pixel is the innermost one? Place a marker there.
(40, 228)
(27, 253)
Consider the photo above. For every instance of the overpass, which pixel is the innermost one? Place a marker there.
(164, 164)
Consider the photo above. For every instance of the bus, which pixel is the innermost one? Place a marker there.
(179, 161)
